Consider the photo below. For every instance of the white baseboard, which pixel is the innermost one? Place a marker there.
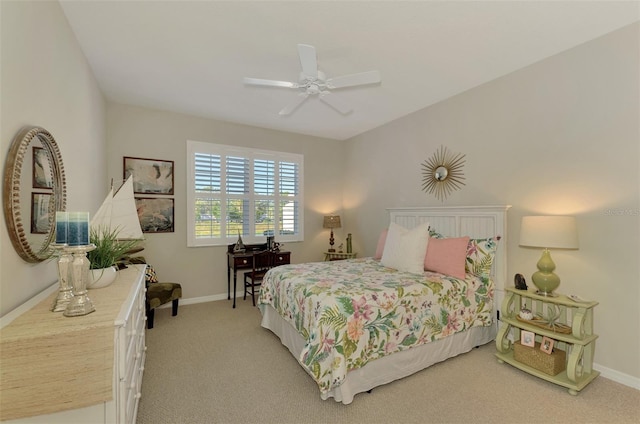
(204, 299)
(605, 372)
(618, 376)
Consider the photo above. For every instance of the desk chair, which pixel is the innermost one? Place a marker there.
(262, 262)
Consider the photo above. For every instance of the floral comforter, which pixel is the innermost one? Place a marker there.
(355, 311)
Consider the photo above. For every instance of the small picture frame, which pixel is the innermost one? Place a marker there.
(42, 175)
(527, 338)
(150, 176)
(40, 217)
(547, 345)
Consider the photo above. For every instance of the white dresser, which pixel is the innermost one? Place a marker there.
(88, 369)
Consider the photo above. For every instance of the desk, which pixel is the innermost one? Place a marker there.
(244, 260)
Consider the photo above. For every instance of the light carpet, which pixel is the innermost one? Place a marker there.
(215, 364)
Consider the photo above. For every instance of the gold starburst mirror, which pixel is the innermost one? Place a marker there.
(442, 173)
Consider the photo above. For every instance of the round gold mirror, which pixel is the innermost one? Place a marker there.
(442, 173)
(34, 189)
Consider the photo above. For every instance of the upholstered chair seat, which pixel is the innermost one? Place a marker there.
(158, 293)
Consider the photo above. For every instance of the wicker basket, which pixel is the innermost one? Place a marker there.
(551, 364)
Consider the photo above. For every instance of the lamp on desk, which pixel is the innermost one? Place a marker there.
(555, 232)
(331, 221)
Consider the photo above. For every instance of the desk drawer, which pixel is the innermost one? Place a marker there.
(243, 262)
(282, 258)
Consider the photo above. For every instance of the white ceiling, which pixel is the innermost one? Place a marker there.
(191, 56)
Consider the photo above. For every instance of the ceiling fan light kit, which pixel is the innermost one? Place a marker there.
(313, 82)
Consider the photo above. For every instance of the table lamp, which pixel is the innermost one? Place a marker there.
(548, 232)
(331, 221)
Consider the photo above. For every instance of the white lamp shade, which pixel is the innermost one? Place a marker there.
(559, 232)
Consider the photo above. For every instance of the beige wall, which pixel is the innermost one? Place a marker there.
(141, 132)
(46, 81)
(558, 137)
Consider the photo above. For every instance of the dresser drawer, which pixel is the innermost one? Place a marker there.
(132, 331)
(132, 387)
(129, 338)
(131, 390)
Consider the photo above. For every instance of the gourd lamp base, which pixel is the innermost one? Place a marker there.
(545, 279)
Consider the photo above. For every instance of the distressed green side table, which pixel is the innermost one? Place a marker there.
(579, 345)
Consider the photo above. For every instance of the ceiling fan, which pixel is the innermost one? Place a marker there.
(313, 82)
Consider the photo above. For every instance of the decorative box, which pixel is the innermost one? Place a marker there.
(551, 364)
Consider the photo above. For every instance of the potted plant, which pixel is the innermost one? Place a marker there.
(102, 260)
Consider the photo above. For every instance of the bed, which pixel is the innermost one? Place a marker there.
(357, 324)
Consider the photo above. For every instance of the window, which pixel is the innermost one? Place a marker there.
(235, 190)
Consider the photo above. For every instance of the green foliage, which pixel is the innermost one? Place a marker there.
(349, 345)
(332, 317)
(409, 340)
(551, 317)
(433, 324)
(435, 287)
(315, 369)
(347, 305)
(108, 248)
(444, 317)
(482, 266)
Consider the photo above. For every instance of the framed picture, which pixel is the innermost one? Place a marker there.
(42, 173)
(527, 338)
(155, 214)
(547, 345)
(40, 213)
(150, 176)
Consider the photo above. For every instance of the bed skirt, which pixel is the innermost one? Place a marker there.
(389, 368)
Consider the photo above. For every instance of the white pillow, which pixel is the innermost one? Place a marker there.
(404, 249)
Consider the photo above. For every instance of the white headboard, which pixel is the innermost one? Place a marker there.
(457, 221)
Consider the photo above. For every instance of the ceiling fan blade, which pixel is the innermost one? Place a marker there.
(308, 60)
(363, 78)
(270, 83)
(288, 110)
(335, 102)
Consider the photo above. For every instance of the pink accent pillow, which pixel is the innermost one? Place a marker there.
(447, 256)
(381, 241)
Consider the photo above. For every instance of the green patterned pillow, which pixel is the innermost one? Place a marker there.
(480, 254)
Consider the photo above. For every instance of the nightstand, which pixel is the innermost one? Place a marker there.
(578, 343)
(338, 256)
